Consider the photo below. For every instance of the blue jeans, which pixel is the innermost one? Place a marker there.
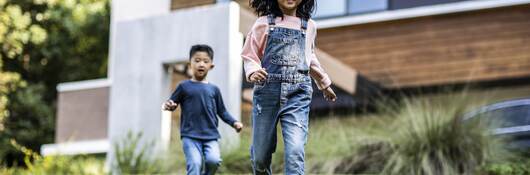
(270, 108)
(198, 150)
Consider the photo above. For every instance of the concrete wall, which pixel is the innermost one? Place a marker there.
(140, 82)
(126, 10)
(181, 4)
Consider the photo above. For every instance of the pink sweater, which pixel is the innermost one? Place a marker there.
(254, 47)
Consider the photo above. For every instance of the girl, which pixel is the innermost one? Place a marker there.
(279, 58)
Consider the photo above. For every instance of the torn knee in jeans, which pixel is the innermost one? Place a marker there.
(300, 123)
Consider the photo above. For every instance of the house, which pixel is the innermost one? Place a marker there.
(368, 47)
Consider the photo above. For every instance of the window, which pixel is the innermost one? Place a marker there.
(333, 8)
(401, 4)
(328, 8)
(363, 6)
(511, 116)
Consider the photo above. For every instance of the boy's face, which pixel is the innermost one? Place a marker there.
(200, 64)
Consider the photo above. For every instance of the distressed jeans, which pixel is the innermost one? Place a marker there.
(288, 104)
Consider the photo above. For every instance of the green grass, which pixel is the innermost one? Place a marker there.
(515, 166)
(412, 136)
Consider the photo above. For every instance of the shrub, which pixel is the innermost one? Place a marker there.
(432, 139)
(132, 157)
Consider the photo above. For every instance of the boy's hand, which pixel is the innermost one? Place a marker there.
(238, 126)
(169, 105)
(258, 76)
(329, 95)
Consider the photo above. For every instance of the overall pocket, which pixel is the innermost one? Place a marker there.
(284, 60)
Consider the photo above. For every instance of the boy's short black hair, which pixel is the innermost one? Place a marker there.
(201, 48)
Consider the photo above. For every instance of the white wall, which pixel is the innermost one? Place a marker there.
(125, 10)
(140, 83)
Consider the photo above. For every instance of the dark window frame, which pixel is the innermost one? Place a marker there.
(389, 7)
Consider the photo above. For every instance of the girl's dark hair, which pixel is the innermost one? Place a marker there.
(266, 7)
(201, 48)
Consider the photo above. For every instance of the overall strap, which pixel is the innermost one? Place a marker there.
(271, 20)
(303, 25)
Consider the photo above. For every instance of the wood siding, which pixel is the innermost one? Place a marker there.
(178, 4)
(453, 48)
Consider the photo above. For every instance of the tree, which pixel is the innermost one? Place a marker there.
(43, 43)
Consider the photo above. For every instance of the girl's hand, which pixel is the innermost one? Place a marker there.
(329, 95)
(238, 126)
(258, 76)
(169, 105)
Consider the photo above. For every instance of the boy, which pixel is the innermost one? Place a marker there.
(200, 102)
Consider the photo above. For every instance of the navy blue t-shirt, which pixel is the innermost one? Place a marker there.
(200, 103)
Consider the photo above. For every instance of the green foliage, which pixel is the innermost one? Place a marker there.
(9, 82)
(17, 30)
(64, 165)
(77, 47)
(43, 43)
(14, 33)
(29, 122)
(236, 161)
(519, 165)
(55, 165)
(133, 157)
(512, 168)
(74, 48)
(419, 136)
(431, 138)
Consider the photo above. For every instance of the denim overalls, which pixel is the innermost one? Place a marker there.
(284, 97)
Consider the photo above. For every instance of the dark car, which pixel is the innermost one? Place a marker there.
(512, 119)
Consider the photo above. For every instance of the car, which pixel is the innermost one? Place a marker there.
(513, 120)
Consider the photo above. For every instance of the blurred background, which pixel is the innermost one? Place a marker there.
(406, 73)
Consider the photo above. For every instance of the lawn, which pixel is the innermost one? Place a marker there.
(411, 136)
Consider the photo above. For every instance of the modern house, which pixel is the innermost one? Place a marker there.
(368, 47)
